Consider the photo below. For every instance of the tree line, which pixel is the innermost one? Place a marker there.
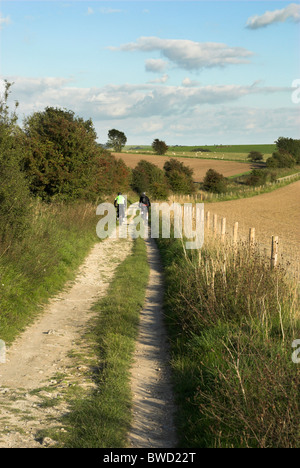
(55, 157)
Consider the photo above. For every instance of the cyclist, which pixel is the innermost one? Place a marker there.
(120, 204)
(144, 205)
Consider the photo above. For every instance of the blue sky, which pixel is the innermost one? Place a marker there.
(186, 72)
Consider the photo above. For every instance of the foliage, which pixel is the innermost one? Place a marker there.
(112, 175)
(47, 255)
(179, 176)
(214, 182)
(159, 146)
(289, 145)
(147, 177)
(231, 321)
(61, 154)
(14, 193)
(280, 159)
(116, 140)
(255, 156)
(257, 177)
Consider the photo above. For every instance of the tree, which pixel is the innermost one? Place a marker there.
(146, 177)
(159, 146)
(116, 140)
(112, 175)
(214, 182)
(14, 192)
(61, 154)
(290, 146)
(179, 176)
(255, 156)
(280, 159)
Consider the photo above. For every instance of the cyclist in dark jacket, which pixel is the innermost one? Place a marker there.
(144, 205)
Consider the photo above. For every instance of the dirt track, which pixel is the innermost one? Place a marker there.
(153, 404)
(39, 358)
(200, 166)
(275, 213)
(42, 351)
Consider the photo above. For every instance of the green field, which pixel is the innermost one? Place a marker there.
(225, 152)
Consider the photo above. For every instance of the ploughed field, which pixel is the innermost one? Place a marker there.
(200, 166)
(276, 213)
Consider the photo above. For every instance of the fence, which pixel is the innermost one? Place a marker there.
(289, 177)
(212, 224)
(277, 251)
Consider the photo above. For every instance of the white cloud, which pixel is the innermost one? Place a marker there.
(291, 11)
(163, 79)
(4, 21)
(190, 83)
(126, 101)
(177, 113)
(188, 54)
(155, 65)
(90, 11)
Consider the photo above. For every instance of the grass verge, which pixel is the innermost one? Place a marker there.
(231, 322)
(102, 419)
(36, 266)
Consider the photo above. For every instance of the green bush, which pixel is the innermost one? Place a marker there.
(214, 182)
(281, 159)
(257, 177)
(255, 156)
(179, 176)
(289, 145)
(147, 177)
(14, 192)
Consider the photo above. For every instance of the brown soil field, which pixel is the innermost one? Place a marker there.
(200, 166)
(276, 213)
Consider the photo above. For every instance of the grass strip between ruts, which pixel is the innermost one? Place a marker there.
(102, 420)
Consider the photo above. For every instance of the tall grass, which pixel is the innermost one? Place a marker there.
(232, 322)
(36, 266)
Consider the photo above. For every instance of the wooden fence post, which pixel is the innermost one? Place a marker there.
(223, 229)
(235, 232)
(274, 251)
(251, 237)
(208, 220)
(215, 224)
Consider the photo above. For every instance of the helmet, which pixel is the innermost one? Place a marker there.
(119, 193)
(143, 193)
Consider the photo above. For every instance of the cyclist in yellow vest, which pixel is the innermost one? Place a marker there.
(120, 204)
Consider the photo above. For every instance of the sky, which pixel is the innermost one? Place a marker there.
(185, 72)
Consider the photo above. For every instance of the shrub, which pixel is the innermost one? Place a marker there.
(255, 156)
(112, 175)
(14, 192)
(180, 177)
(291, 146)
(257, 177)
(214, 182)
(146, 177)
(281, 158)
